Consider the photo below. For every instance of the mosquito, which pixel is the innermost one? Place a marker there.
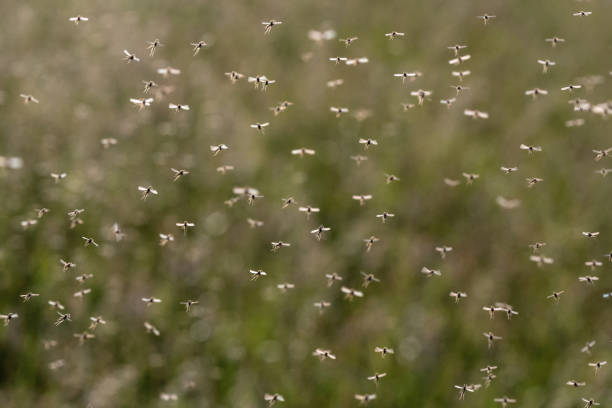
(197, 46)
(269, 24)
(129, 57)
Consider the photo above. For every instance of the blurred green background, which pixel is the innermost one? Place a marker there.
(247, 338)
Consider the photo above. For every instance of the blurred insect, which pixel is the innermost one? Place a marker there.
(454, 183)
(458, 296)
(597, 365)
(376, 377)
(321, 305)
(430, 272)
(554, 41)
(541, 260)
(76, 20)
(350, 293)
(218, 148)
(365, 398)
(55, 305)
(457, 48)
(589, 280)
(574, 123)
(338, 111)
(609, 256)
(383, 217)
(383, 351)
(323, 354)
(593, 264)
(58, 176)
(278, 245)
(362, 198)
(8, 317)
(256, 80)
(476, 114)
(556, 295)
(197, 46)
(491, 338)
(535, 92)
(448, 102)
(491, 310)
(188, 304)
(466, 388)
(459, 88)
(151, 300)
(368, 278)
(407, 106)
(508, 170)
(117, 233)
(285, 286)
(488, 379)
(367, 143)
(338, 60)
(504, 307)
(530, 149)
(81, 293)
(151, 329)
(255, 223)
(459, 60)
(504, 401)
(331, 278)
(67, 265)
(421, 95)
(234, 76)
(40, 212)
(256, 274)
(582, 13)
(369, 242)
(168, 71)
(28, 98)
(273, 398)
(82, 278)
(146, 192)
(178, 107)
(89, 241)
(224, 169)
(393, 35)
(28, 223)
(108, 142)
(470, 177)
(302, 151)
(308, 210)
(603, 172)
(591, 234)
(165, 238)
(83, 337)
(461, 74)
(265, 82)
(185, 225)
(405, 75)
(95, 321)
(443, 250)
(571, 88)
(485, 18)
(358, 159)
(546, 64)
(153, 45)
(269, 24)
(537, 245)
(575, 383)
(488, 369)
(129, 57)
(319, 231)
(600, 154)
(335, 83)
(589, 402)
(63, 318)
(168, 397)
(588, 346)
(349, 40)
(288, 201)
(260, 126)
(532, 181)
(142, 102)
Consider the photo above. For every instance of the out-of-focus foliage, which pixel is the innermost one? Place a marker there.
(246, 338)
